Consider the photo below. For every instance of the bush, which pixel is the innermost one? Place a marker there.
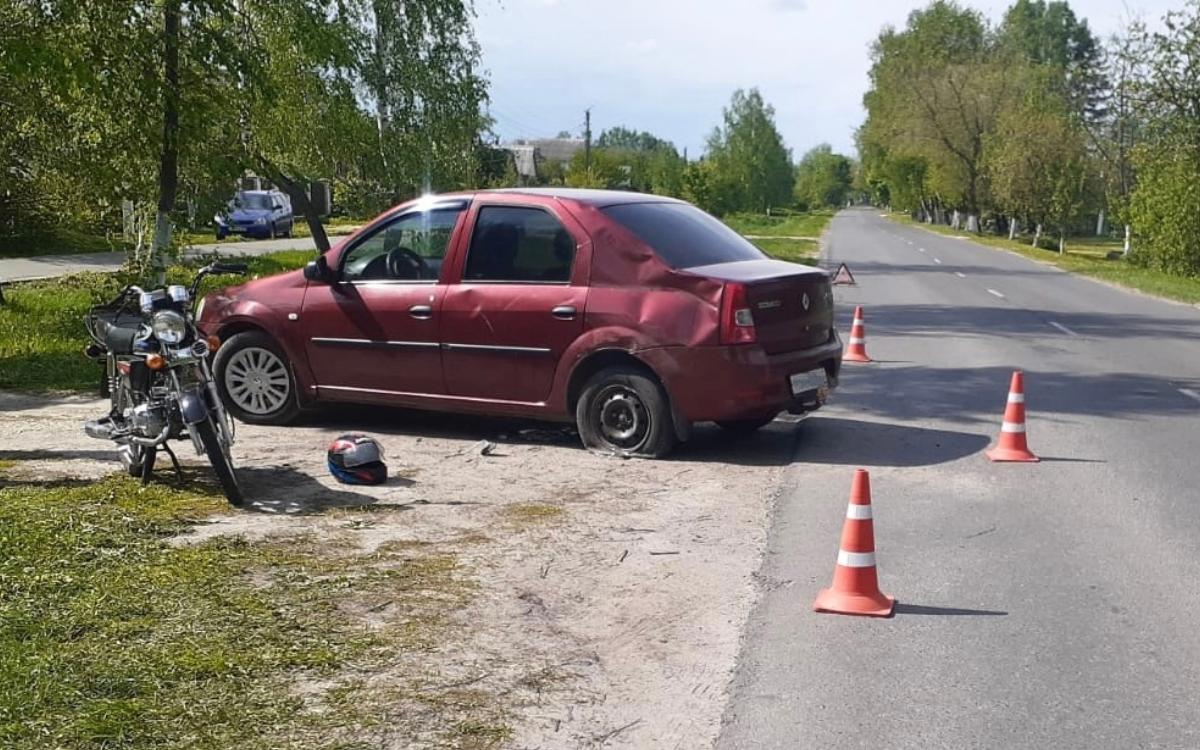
(1165, 209)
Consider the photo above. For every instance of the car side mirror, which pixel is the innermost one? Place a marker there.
(277, 206)
(318, 270)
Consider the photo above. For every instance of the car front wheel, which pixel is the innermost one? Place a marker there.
(255, 380)
(623, 410)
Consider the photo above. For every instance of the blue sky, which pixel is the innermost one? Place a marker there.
(669, 66)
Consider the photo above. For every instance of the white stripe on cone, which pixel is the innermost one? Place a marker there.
(856, 559)
(1016, 398)
(857, 340)
(858, 512)
(1012, 427)
(857, 321)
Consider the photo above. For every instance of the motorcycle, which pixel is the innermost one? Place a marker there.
(158, 379)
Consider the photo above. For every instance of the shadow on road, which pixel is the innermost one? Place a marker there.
(977, 395)
(840, 441)
(919, 609)
(1007, 321)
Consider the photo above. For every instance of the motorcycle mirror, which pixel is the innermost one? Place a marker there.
(230, 268)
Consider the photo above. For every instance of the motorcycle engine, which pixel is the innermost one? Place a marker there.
(147, 420)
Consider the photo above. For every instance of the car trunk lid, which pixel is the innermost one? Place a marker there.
(792, 304)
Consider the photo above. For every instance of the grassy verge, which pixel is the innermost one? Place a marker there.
(56, 241)
(792, 237)
(113, 637)
(41, 326)
(1087, 257)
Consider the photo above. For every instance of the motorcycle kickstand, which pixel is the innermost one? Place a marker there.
(174, 461)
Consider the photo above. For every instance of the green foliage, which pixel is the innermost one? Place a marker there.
(823, 178)
(1165, 209)
(750, 168)
(379, 95)
(112, 637)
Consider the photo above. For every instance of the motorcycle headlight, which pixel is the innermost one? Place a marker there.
(169, 327)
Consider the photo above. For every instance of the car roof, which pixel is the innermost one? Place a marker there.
(597, 198)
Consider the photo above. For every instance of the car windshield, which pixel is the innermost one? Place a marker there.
(683, 235)
(255, 201)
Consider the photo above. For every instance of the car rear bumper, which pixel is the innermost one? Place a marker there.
(741, 382)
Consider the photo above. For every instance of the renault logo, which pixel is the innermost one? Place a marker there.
(804, 301)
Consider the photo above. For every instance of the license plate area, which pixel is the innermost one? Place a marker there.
(812, 380)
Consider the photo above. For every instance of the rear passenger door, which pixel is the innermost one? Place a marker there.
(517, 306)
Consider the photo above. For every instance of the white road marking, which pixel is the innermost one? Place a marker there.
(1190, 393)
(995, 293)
(938, 261)
(921, 249)
(1063, 328)
(960, 274)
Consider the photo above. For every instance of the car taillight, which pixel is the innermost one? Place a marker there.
(737, 319)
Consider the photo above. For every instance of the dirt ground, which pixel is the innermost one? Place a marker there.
(612, 592)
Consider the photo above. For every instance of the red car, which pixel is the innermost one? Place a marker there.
(631, 315)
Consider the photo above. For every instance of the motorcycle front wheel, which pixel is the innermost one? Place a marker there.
(220, 462)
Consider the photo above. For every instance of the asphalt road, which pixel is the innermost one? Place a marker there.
(1051, 605)
(45, 266)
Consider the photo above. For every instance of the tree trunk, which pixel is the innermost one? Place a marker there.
(168, 166)
(1012, 228)
(1037, 236)
(955, 221)
(1100, 224)
(973, 223)
(1062, 242)
(1125, 250)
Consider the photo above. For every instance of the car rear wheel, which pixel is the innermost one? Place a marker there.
(623, 410)
(255, 380)
(745, 426)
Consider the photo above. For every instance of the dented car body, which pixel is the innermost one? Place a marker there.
(632, 315)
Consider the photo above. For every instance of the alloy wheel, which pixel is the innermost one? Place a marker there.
(257, 380)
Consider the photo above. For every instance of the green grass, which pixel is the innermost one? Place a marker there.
(54, 241)
(41, 327)
(112, 638)
(790, 237)
(1087, 257)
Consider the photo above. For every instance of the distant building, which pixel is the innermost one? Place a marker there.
(527, 152)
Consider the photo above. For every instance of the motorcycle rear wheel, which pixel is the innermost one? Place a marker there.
(220, 462)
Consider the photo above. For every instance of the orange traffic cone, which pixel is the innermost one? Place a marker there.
(1012, 446)
(855, 589)
(857, 351)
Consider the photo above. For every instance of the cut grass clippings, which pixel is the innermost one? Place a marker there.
(527, 513)
(113, 637)
(1088, 258)
(41, 325)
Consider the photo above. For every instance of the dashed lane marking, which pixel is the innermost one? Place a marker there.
(994, 293)
(1190, 394)
(938, 261)
(921, 249)
(960, 274)
(1063, 328)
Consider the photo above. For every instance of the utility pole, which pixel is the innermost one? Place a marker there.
(587, 138)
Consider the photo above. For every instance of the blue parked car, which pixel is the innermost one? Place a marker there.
(257, 213)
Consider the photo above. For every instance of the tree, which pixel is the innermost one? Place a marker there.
(1165, 204)
(823, 178)
(935, 94)
(751, 167)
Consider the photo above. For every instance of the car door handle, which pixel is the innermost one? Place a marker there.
(421, 312)
(564, 312)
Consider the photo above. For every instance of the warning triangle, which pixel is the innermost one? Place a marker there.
(843, 276)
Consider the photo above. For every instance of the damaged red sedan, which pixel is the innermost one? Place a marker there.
(631, 315)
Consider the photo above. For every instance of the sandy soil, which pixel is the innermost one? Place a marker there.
(612, 592)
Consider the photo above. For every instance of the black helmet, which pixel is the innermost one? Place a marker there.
(355, 458)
